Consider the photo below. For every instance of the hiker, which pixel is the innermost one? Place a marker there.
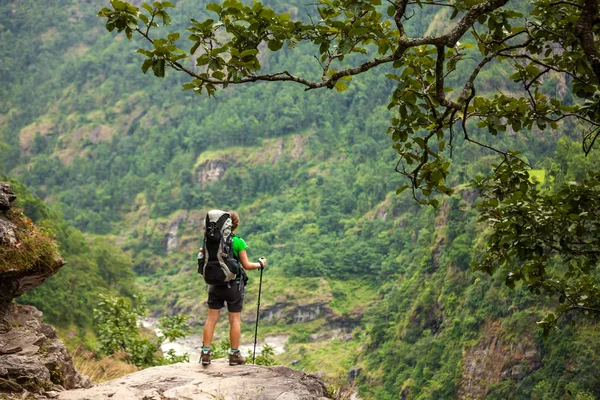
(233, 294)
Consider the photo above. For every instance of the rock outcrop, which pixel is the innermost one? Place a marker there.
(211, 171)
(495, 359)
(41, 262)
(32, 358)
(216, 381)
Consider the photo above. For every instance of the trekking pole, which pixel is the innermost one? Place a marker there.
(257, 312)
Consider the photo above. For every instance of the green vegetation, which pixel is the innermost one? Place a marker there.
(37, 251)
(424, 116)
(354, 37)
(358, 276)
(116, 323)
(92, 267)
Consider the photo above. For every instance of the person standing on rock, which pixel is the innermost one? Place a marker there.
(233, 295)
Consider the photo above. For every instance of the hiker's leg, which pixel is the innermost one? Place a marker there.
(235, 329)
(209, 326)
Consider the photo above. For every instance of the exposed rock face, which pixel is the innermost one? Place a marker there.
(7, 228)
(211, 171)
(171, 237)
(495, 359)
(292, 313)
(7, 196)
(31, 357)
(16, 280)
(289, 313)
(216, 381)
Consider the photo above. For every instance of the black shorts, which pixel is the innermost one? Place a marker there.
(234, 296)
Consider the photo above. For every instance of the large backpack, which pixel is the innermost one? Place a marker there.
(217, 263)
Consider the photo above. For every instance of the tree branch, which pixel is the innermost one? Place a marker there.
(400, 10)
(566, 3)
(449, 39)
(584, 32)
(583, 308)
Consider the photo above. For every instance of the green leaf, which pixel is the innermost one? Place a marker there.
(249, 52)
(214, 7)
(202, 60)
(359, 31)
(147, 7)
(410, 97)
(147, 64)
(275, 45)
(218, 75)
(158, 67)
(341, 86)
(145, 52)
(532, 70)
(401, 189)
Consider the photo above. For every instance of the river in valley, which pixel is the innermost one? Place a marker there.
(192, 344)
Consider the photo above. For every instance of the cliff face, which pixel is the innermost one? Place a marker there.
(495, 359)
(28, 256)
(32, 358)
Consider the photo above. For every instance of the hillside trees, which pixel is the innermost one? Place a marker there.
(93, 267)
(438, 102)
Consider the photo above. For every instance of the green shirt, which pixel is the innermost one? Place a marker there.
(238, 245)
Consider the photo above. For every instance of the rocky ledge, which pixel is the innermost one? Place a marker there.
(33, 361)
(216, 381)
(32, 358)
(25, 264)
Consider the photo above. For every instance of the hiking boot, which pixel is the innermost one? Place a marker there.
(205, 357)
(236, 358)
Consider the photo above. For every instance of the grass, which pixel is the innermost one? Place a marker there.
(101, 370)
(351, 296)
(34, 248)
(333, 358)
(268, 149)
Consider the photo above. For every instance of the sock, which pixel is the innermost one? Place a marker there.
(205, 349)
(233, 350)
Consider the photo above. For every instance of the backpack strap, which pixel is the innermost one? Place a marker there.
(242, 276)
(222, 220)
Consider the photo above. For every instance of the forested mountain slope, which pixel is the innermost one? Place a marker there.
(354, 270)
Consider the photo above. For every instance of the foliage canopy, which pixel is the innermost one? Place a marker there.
(437, 97)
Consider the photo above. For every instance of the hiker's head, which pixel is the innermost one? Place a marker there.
(235, 220)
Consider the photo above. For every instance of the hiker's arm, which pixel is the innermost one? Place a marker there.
(250, 265)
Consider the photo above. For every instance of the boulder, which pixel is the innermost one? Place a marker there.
(218, 380)
(7, 196)
(31, 357)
